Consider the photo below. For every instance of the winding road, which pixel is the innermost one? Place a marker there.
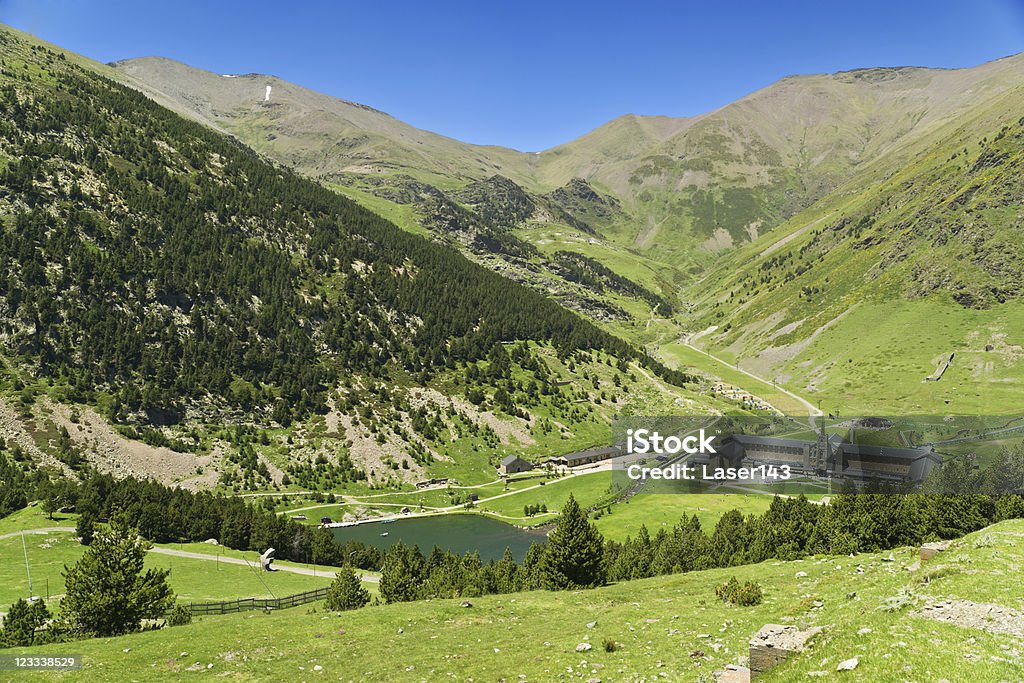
(813, 411)
(44, 530)
(305, 571)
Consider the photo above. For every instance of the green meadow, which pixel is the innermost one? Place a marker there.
(683, 356)
(193, 580)
(867, 605)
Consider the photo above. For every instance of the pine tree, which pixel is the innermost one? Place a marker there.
(575, 554)
(506, 573)
(85, 529)
(107, 591)
(402, 573)
(22, 621)
(529, 576)
(346, 592)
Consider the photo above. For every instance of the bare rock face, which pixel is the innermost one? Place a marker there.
(984, 616)
(775, 643)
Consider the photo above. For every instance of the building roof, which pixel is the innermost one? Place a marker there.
(604, 451)
(884, 453)
(746, 439)
(510, 459)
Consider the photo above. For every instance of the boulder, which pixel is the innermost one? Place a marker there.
(775, 643)
(930, 550)
(848, 664)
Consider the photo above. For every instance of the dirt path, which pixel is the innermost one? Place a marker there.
(45, 530)
(791, 236)
(812, 411)
(238, 560)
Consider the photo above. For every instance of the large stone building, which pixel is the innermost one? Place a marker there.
(586, 457)
(511, 464)
(828, 456)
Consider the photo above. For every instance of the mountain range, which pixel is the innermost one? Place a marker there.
(720, 177)
(174, 305)
(196, 250)
(776, 229)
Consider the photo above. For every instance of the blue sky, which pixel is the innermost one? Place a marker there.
(529, 74)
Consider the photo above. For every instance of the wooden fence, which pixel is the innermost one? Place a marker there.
(230, 606)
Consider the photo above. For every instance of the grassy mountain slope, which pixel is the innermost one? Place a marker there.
(174, 280)
(866, 294)
(659, 189)
(869, 606)
(309, 131)
(690, 209)
(739, 171)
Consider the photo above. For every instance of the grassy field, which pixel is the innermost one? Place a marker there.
(47, 555)
(32, 517)
(589, 489)
(883, 372)
(192, 579)
(200, 581)
(672, 625)
(653, 509)
(664, 510)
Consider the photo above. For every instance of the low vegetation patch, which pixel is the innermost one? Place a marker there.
(744, 595)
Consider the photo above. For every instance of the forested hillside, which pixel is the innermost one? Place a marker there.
(772, 232)
(157, 269)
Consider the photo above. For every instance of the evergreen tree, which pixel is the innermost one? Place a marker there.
(529, 577)
(730, 540)
(85, 529)
(22, 621)
(506, 572)
(346, 592)
(575, 554)
(402, 573)
(107, 591)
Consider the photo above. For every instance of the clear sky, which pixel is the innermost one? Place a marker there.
(528, 74)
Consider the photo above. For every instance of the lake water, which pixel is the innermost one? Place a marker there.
(458, 533)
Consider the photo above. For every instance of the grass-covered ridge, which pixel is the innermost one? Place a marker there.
(891, 200)
(862, 297)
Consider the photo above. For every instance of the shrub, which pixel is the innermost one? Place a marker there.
(610, 645)
(179, 616)
(745, 595)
